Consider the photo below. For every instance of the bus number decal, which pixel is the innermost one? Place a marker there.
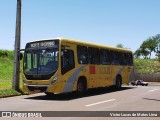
(92, 70)
(105, 70)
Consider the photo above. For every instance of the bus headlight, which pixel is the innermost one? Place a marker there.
(54, 80)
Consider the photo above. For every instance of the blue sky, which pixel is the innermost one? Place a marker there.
(107, 22)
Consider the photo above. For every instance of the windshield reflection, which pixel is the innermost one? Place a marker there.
(41, 62)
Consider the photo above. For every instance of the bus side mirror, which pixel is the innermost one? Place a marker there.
(20, 56)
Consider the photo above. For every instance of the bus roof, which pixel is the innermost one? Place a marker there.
(79, 42)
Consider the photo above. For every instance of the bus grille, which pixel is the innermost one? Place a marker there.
(35, 88)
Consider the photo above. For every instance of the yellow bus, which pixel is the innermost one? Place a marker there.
(63, 65)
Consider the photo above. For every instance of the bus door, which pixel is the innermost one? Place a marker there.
(67, 68)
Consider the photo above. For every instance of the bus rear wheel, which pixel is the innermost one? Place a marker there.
(118, 83)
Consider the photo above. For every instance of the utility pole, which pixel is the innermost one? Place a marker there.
(16, 72)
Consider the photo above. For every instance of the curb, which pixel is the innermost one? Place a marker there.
(5, 96)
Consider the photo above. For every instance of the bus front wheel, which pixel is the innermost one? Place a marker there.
(48, 94)
(81, 87)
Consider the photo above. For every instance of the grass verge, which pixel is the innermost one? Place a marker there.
(147, 66)
(9, 93)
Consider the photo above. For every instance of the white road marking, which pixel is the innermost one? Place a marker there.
(153, 90)
(99, 102)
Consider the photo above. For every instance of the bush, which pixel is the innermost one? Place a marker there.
(7, 53)
(147, 66)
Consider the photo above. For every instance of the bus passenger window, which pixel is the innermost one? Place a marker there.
(82, 53)
(122, 59)
(105, 56)
(94, 56)
(129, 59)
(67, 60)
(114, 58)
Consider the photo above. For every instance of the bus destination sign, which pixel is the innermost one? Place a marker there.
(42, 44)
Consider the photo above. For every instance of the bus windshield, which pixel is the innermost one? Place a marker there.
(41, 62)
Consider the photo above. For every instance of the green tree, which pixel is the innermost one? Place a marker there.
(148, 46)
(119, 46)
(157, 50)
(157, 37)
(144, 53)
(137, 53)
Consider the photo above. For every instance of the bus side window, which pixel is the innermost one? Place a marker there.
(129, 59)
(82, 53)
(122, 58)
(67, 61)
(105, 57)
(114, 58)
(94, 56)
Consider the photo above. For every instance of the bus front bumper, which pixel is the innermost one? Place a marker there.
(56, 88)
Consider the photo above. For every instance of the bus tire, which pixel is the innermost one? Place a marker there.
(118, 82)
(48, 94)
(81, 86)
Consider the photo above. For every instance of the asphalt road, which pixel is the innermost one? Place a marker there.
(129, 98)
